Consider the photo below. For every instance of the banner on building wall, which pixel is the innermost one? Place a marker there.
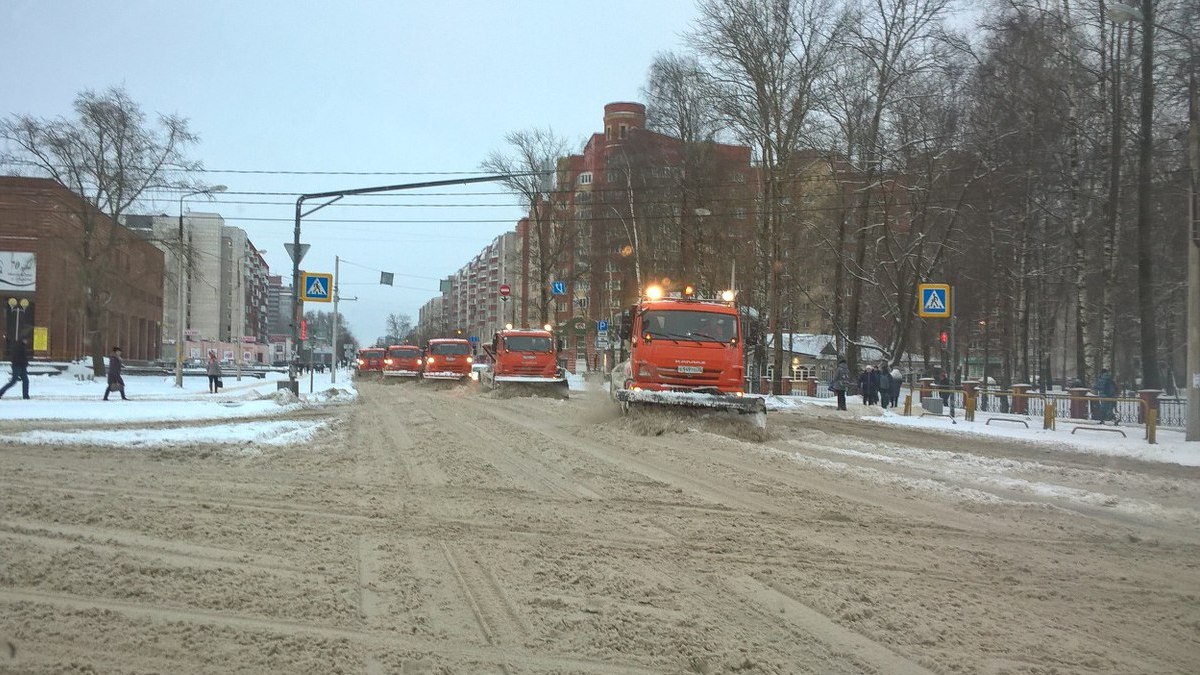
(41, 338)
(194, 352)
(228, 355)
(18, 271)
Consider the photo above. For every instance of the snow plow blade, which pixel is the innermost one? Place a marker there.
(752, 406)
(510, 386)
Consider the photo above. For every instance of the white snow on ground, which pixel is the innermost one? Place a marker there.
(156, 399)
(253, 433)
(1170, 447)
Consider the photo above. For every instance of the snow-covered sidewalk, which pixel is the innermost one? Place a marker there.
(1170, 447)
(155, 399)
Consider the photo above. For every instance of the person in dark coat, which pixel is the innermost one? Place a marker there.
(1106, 388)
(943, 383)
(885, 386)
(840, 383)
(115, 381)
(20, 368)
(868, 383)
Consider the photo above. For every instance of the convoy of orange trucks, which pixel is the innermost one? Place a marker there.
(524, 362)
(685, 351)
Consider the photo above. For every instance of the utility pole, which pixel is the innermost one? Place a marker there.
(333, 356)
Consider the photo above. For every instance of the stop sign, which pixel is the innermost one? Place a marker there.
(505, 289)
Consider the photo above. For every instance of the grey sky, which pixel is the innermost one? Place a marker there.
(406, 87)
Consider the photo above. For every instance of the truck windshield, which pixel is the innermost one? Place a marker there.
(373, 354)
(690, 325)
(527, 343)
(449, 348)
(411, 353)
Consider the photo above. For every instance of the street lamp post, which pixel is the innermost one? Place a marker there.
(1121, 13)
(179, 279)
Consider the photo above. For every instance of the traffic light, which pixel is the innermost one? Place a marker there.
(945, 338)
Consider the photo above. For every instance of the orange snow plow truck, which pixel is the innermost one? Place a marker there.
(524, 363)
(402, 361)
(685, 351)
(448, 359)
(369, 361)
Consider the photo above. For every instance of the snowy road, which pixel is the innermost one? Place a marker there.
(439, 530)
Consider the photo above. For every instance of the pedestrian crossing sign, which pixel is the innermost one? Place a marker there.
(316, 287)
(934, 301)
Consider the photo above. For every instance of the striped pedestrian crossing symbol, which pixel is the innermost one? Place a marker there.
(934, 301)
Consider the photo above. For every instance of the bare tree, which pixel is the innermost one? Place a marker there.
(532, 166)
(110, 155)
(769, 60)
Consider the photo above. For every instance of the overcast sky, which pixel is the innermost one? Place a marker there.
(411, 88)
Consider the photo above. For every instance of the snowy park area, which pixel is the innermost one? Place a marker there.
(63, 410)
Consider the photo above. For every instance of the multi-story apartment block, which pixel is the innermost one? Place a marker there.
(473, 305)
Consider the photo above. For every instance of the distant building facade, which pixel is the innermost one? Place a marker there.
(41, 252)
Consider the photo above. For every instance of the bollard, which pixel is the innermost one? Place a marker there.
(1020, 404)
(969, 407)
(1048, 416)
(908, 404)
(1079, 403)
(1152, 426)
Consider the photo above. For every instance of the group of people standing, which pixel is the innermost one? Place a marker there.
(877, 385)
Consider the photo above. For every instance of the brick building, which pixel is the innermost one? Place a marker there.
(41, 217)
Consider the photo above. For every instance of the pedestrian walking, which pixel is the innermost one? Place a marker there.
(1106, 388)
(885, 385)
(214, 373)
(840, 382)
(864, 384)
(19, 356)
(115, 381)
(897, 381)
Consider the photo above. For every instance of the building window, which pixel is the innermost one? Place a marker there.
(623, 130)
(585, 178)
(608, 132)
(739, 213)
(739, 178)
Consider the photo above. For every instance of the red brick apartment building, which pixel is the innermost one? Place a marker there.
(39, 216)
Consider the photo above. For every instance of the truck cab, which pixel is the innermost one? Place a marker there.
(370, 361)
(526, 356)
(448, 359)
(683, 344)
(402, 361)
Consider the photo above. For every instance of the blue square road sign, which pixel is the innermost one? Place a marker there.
(558, 288)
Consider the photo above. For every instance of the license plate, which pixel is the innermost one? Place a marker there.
(691, 370)
(527, 357)
(451, 358)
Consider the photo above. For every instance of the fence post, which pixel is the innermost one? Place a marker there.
(1150, 402)
(908, 404)
(1048, 416)
(1079, 403)
(1152, 426)
(1020, 404)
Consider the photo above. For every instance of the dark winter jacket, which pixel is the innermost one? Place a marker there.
(1105, 386)
(114, 368)
(841, 378)
(19, 355)
(868, 382)
(885, 380)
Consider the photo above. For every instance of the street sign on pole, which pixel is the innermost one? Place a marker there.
(505, 290)
(934, 301)
(558, 288)
(316, 287)
(291, 249)
(602, 326)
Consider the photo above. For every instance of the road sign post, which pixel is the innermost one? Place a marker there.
(934, 301)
